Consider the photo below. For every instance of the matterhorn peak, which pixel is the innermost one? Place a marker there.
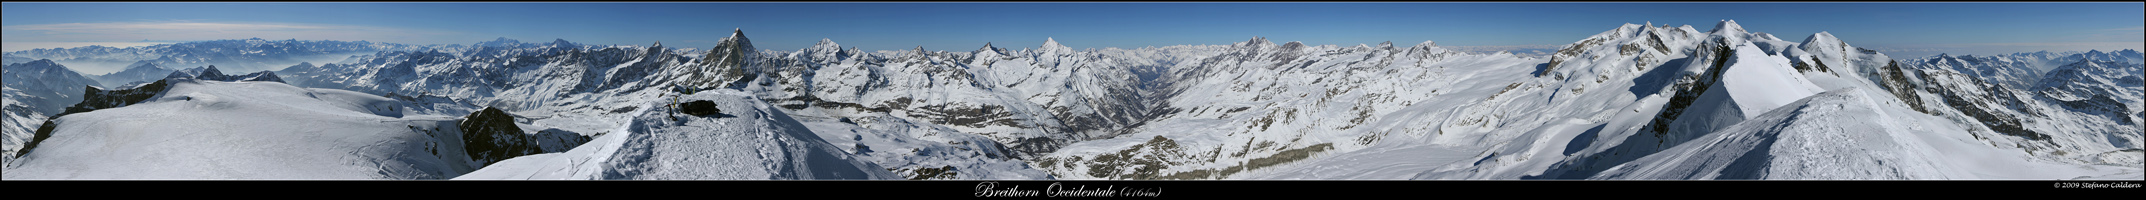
(658, 44)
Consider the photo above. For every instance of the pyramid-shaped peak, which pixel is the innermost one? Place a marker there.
(825, 41)
(1052, 45)
(1822, 35)
(211, 72)
(1728, 25)
(919, 49)
(738, 35)
(987, 45)
(1427, 43)
(659, 43)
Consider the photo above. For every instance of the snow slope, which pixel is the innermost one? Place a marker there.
(1843, 135)
(748, 140)
(248, 130)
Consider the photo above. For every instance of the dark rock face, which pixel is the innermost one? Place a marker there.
(94, 98)
(43, 131)
(1691, 87)
(490, 136)
(699, 108)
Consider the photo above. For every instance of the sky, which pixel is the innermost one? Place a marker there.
(1899, 29)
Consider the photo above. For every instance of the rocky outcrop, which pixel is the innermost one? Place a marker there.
(490, 136)
(699, 108)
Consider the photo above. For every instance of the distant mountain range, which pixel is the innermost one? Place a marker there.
(1639, 101)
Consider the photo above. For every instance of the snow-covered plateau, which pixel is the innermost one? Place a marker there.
(1639, 101)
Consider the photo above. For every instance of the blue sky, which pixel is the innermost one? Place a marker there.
(1979, 28)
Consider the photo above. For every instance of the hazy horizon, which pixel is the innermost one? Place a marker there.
(1899, 29)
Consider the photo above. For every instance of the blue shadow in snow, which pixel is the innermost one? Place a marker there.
(1661, 76)
(1584, 139)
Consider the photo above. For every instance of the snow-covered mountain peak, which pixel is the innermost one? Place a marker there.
(39, 64)
(1823, 38)
(1257, 42)
(1293, 45)
(918, 52)
(736, 42)
(1052, 47)
(563, 43)
(1727, 27)
(501, 42)
(826, 45)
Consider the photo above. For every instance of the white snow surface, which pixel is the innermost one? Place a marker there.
(1843, 135)
(247, 130)
(748, 140)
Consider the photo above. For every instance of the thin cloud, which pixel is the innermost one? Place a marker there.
(49, 34)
